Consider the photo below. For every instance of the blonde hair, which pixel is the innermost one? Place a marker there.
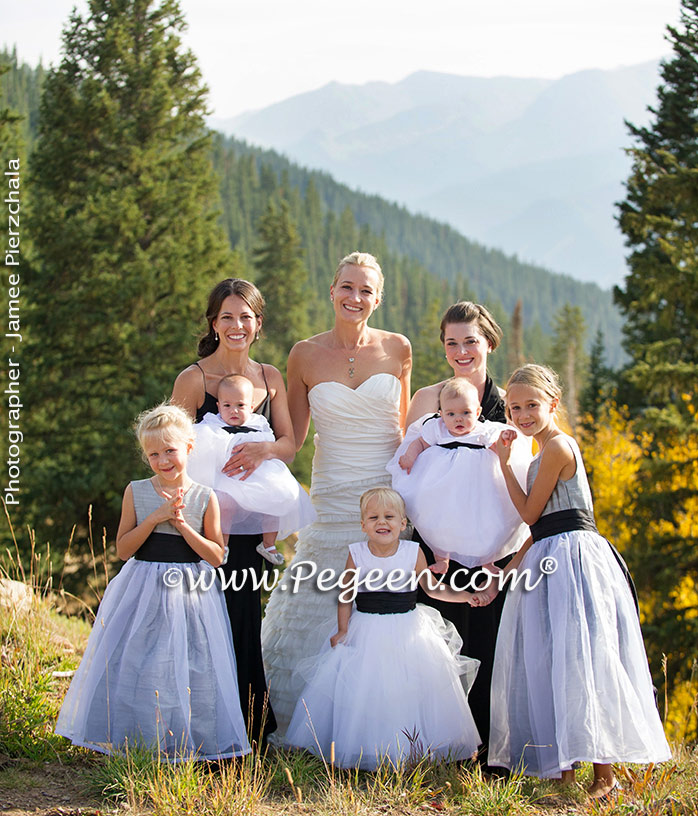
(458, 387)
(361, 259)
(164, 419)
(467, 312)
(543, 379)
(385, 497)
(540, 377)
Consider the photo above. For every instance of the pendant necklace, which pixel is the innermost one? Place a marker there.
(352, 359)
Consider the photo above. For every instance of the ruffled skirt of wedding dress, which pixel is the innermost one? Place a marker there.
(299, 614)
(357, 433)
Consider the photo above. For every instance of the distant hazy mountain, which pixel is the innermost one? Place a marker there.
(530, 166)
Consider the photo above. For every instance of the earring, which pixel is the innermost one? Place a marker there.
(215, 336)
(256, 337)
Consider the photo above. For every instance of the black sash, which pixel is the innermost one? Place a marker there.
(454, 445)
(386, 603)
(565, 521)
(168, 548)
(233, 429)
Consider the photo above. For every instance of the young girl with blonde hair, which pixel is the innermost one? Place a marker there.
(159, 668)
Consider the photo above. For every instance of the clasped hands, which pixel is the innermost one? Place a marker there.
(171, 509)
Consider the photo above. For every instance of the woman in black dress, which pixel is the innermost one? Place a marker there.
(469, 333)
(234, 314)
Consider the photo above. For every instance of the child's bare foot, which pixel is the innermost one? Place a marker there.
(440, 567)
(602, 788)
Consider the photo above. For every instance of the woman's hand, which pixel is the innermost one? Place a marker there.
(246, 458)
(503, 445)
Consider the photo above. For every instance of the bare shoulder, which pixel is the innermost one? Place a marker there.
(309, 347)
(396, 344)
(188, 388)
(428, 396)
(558, 449)
(189, 376)
(424, 401)
(309, 352)
(273, 376)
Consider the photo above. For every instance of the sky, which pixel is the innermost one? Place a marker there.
(253, 53)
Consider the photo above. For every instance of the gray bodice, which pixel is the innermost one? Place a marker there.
(574, 494)
(146, 499)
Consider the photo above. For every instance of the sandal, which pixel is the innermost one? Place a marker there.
(271, 554)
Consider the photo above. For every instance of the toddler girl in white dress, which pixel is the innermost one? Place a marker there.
(390, 683)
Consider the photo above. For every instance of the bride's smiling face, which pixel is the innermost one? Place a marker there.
(355, 294)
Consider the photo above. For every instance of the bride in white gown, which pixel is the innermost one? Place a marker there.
(355, 382)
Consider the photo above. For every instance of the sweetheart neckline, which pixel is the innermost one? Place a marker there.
(348, 387)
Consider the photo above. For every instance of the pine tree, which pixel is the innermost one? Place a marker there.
(283, 278)
(568, 357)
(598, 388)
(9, 121)
(515, 356)
(659, 299)
(126, 247)
(659, 218)
(429, 365)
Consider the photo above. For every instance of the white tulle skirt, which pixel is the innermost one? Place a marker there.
(267, 500)
(393, 689)
(570, 680)
(270, 500)
(158, 670)
(458, 500)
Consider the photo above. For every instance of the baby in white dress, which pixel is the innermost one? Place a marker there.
(269, 500)
(448, 475)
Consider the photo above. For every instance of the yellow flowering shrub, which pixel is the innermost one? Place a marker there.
(632, 474)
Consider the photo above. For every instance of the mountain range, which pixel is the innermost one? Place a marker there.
(529, 166)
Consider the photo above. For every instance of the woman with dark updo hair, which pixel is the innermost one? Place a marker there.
(234, 315)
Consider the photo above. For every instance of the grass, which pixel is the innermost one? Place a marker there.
(39, 641)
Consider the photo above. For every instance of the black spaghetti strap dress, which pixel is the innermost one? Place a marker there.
(245, 608)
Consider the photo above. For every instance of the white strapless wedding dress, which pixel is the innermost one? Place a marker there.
(357, 432)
